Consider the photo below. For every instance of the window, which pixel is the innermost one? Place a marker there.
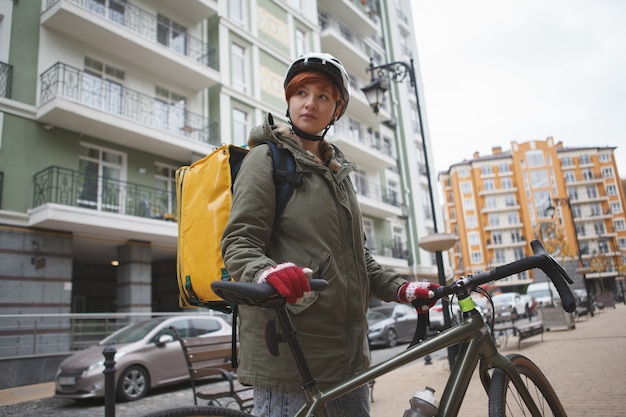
(535, 159)
(102, 86)
(240, 126)
(504, 168)
(513, 218)
(616, 207)
(470, 222)
(235, 11)
(570, 176)
(486, 170)
(238, 67)
(464, 173)
(102, 172)
(370, 234)
(171, 34)
(592, 192)
(500, 256)
(477, 257)
(473, 238)
(605, 157)
(494, 219)
(165, 179)
(300, 42)
(497, 238)
(596, 209)
(611, 190)
(584, 159)
(491, 202)
(466, 187)
(539, 178)
(566, 161)
(588, 174)
(510, 200)
(468, 203)
(619, 225)
(506, 183)
(171, 110)
(489, 185)
(607, 172)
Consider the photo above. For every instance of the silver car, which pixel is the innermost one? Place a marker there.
(148, 356)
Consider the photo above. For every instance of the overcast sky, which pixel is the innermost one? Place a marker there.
(496, 71)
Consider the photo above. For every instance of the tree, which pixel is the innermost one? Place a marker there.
(555, 241)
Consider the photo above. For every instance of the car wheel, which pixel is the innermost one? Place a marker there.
(392, 338)
(133, 384)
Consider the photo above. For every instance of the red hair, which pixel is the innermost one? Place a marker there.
(310, 77)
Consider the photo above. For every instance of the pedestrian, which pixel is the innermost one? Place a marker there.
(319, 234)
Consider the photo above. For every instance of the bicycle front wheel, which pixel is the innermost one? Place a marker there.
(199, 411)
(504, 400)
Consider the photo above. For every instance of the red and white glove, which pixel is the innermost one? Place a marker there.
(418, 294)
(290, 280)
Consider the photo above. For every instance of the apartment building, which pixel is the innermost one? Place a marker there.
(568, 197)
(102, 100)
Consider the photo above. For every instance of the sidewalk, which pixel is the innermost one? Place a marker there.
(586, 367)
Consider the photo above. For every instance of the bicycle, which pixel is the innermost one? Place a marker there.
(513, 383)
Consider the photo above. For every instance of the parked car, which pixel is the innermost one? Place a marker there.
(521, 305)
(391, 324)
(436, 312)
(148, 356)
(544, 293)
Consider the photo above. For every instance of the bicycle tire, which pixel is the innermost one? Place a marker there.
(199, 411)
(505, 401)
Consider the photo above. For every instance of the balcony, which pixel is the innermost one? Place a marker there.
(391, 254)
(103, 208)
(339, 40)
(77, 101)
(362, 146)
(6, 80)
(192, 10)
(377, 201)
(362, 17)
(135, 35)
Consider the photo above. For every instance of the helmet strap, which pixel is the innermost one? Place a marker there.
(309, 136)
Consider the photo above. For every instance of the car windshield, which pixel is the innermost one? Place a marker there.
(379, 313)
(132, 333)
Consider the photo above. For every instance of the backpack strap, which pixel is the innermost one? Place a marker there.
(286, 175)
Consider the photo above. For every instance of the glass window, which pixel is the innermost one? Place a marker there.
(238, 67)
(240, 126)
(535, 159)
(205, 326)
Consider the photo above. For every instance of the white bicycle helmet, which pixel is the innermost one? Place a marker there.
(327, 65)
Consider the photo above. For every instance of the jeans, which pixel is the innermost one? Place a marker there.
(268, 403)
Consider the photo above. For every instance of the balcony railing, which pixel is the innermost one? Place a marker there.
(150, 27)
(377, 192)
(357, 133)
(68, 83)
(6, 79)
(391, 249)
(78, 189)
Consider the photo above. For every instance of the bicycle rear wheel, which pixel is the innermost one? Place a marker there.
(199, 411)
(504, 400)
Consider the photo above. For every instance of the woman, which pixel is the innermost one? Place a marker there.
(319, 234)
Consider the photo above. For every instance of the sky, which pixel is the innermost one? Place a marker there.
(497, 71)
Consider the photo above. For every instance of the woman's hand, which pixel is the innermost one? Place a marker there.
(418, 294)
(290, 280)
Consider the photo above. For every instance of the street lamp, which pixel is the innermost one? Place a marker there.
(375, 91)
(550, 210)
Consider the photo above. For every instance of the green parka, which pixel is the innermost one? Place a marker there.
(320, 228)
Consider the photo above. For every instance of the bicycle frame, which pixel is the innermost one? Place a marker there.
(476, 346)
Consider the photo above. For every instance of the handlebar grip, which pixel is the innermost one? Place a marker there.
(557, 275)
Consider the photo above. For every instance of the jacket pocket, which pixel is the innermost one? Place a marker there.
(319, 270)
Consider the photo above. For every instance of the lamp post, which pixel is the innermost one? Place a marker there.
(565, 201)
(375, 91)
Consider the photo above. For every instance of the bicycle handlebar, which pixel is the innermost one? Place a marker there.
(264, 295)
(540, 259)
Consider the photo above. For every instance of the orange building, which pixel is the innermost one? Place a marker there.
(569, 198)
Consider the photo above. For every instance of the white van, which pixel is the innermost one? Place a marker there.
(544, 293)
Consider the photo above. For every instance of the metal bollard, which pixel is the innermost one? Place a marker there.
(109, 381)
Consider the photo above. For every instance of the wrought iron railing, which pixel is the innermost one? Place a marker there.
(150, 27)
(78, 189)
(6, 79)
(66, 82)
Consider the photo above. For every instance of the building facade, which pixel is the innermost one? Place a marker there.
(569, 198)
(102, 100)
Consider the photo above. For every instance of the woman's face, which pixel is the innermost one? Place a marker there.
(312, 107)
